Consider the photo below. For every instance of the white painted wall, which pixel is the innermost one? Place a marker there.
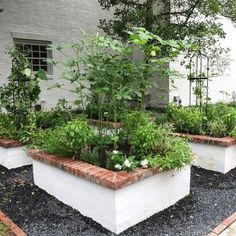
(14, 157)
(58, 21)
(214, 157)
(119, 209)
(226, 82)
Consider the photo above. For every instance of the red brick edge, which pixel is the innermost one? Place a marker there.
(9, 143)
(115, 125)
(223, 226)
(107, 178)
(224, 142)
(12, 226)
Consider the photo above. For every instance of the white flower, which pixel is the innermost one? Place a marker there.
(144, 163)
(115, 152)
(118, 166)
(153, 53)
(127, 163)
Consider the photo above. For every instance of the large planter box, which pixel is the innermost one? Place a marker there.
(116, 200)
(13, 154)
(216, 154)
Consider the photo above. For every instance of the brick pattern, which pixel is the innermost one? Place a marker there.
(9, 143)
(224, 142)
(12, 226)
(114, 125)
(106, 178)
(223, 226)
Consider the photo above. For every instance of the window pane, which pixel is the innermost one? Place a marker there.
(35, 62)
(35, 68)
(44, 68)
(43, 48)
(27, 47)
(19, 47)
(43, 55)
(43, 62)
(35, 47)
(36, 54)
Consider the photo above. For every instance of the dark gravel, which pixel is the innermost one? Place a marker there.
(212, 199)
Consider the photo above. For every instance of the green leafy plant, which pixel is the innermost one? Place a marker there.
(186, 119)
(22, 91)
(217, 128)
(68, 139)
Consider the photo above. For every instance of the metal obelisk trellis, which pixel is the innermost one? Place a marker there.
(199, 77)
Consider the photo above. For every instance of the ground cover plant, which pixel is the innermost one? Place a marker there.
(219, 120)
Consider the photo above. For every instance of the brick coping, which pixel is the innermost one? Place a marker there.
(224, 142)
(114, 125)
(223, 226)
(106, 178)
(12, 226)
(9, 143)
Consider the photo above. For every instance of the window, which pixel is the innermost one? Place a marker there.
(37, 52)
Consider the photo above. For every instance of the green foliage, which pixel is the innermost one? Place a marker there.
(22, 90)
(66, 140)
(186, 119)
(53, 118)
(148, 138)
(217, 128)
(219, 120)
(105, 67)
(194, 20)
(177, 155)
(10, 131)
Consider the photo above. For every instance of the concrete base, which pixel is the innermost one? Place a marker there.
(14, 157)
(119, 209)
(213, 157)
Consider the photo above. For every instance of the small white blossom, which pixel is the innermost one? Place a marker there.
(144, 163)
(115, 152)
(153, 53)
(127, 163)
(118, 167)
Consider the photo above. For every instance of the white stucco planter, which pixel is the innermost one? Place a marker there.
(13, 155)
(216, 154)
(116, 200)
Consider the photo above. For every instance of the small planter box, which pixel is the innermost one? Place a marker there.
(13, 154)
(216, 154)
(116, 200)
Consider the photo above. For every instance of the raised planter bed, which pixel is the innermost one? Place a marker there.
(13, 154)
(216, 154)
(116, 200)
(11, 229)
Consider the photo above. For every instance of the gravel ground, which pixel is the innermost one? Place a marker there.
(212, 199)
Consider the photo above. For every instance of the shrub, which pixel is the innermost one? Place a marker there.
(66, 140)
(186, 119)
(217, 128)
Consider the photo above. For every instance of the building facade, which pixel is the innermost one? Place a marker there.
(32, 25)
